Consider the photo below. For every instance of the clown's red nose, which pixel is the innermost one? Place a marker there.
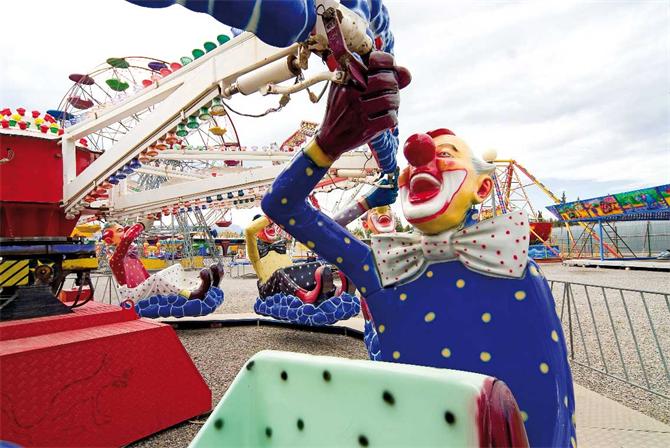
(419, 149)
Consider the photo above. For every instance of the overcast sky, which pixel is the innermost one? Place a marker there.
(578, 92)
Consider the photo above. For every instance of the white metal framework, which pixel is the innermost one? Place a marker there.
(160, 184)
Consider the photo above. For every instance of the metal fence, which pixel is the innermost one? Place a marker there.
(104, 287)
(620, 333)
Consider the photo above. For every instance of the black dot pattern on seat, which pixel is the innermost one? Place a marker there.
(363, 441)
(218, 423)
(250, 365)
(326, 375)
(301, 424)
(388, 398)
(450, 417)
(284, 375)
(268, 432)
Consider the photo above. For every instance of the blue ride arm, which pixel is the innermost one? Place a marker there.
(278, 23)
(286, 204)
(281, 23)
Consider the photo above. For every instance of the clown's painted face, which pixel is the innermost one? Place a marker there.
(269, 233)
(380, 220)
(440, 184)
(112, 234)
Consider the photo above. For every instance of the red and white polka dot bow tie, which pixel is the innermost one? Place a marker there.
(497, 247)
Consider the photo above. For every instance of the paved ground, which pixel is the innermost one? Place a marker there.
(602, 422)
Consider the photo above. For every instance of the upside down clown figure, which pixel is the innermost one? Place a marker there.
(377, 220)
(167, 292)
(447, 294)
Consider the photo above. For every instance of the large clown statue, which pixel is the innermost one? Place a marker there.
(447, 294)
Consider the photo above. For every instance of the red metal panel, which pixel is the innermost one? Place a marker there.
(70, 295)
(102, 384)
(91, 315)
(542, 229)
(35, 173)
(31, 187)
(30, 219)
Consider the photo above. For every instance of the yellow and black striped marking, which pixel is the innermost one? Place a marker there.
(14, 273)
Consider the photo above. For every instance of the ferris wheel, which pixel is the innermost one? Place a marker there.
(193, 160)
(119, 79)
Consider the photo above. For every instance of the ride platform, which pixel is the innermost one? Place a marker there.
(622, 263)
(99, 376)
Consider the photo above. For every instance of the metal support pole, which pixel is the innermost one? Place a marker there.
(600, 236)
(493, 204)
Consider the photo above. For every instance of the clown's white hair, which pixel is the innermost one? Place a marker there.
(482, 167)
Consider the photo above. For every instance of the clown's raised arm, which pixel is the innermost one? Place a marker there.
(250, 233)
(382, 196)
(126, 270)
(352, 119)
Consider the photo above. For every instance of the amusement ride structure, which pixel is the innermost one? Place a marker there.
(146, 151)
(137, 138)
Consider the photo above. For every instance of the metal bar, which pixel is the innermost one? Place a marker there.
(653, 331)
(632, 331)
(616, 240)
(595, 327)
(167, 195)
(600, 239)
(195, 87)
(622, 289)
(616, 336)
(566, 294)
(611, 375)
(579, 326)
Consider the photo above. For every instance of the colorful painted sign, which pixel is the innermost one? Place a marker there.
(645, 200)
(604, 206)
(664, 190)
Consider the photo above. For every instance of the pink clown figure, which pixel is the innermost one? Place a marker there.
(134, 280)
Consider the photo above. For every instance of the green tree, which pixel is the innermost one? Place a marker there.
(358, 233)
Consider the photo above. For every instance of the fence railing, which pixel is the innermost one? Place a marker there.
(104, 287)
(621, 333)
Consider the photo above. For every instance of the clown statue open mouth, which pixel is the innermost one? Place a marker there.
(379, 220)
(455, 292)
